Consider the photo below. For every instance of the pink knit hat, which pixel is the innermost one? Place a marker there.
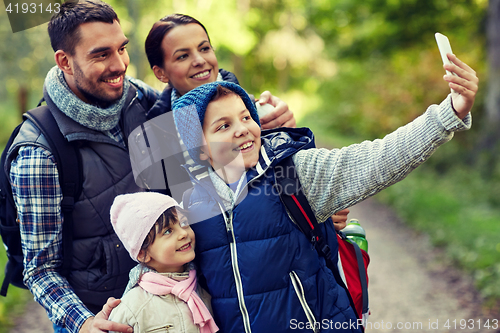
(133, 215)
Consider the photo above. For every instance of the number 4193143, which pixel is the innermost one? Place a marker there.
(32, 8)
(471, 324)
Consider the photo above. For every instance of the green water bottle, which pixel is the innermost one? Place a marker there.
(355, 232)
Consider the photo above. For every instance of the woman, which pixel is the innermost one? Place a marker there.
(180, 53)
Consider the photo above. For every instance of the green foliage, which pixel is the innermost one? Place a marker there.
(12, 305)
(8, 120)
(460, 212)
(369, 98)
(25, 58)
(361, 28)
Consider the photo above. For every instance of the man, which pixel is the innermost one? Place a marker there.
(95, 103)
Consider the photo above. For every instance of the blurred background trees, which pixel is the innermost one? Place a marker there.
(315, 51)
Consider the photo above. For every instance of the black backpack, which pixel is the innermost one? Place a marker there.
(68, 165)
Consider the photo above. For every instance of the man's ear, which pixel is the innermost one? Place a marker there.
(160, 74)
(63, 61)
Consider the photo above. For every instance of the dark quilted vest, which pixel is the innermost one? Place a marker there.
(100, 263)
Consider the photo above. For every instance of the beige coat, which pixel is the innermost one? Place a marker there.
(146, 312)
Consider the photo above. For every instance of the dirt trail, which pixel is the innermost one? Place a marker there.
(34, 320)
(410, 290)
(409, 286)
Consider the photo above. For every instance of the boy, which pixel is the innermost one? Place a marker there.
(262, 273)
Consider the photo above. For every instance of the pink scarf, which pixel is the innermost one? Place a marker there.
(157, 284)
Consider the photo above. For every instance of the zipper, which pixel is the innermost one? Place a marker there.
(228, 218)
(299, 290)
(165, 328)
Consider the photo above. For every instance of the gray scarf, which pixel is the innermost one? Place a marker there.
(88, 115)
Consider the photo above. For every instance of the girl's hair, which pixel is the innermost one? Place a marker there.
(166, 219)
(159, 30)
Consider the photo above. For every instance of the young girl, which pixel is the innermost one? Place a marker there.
(157, 234)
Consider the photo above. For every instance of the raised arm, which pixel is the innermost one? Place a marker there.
(339, 178)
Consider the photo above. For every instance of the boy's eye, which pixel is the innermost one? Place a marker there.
(184, 223)
(223, 126)
(168, 231)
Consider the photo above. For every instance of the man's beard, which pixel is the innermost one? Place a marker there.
(93, 96)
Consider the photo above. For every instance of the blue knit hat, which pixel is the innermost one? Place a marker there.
(189, 113)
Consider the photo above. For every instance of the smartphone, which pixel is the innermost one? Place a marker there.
(262, 110)
(444, 47)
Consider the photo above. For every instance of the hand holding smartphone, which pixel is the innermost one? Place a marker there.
(444, 48)
(264, 109)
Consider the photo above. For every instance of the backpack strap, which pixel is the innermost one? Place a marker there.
(10, 234)
(300, 210)
(362, 271)
(70, 177)
(362, 276)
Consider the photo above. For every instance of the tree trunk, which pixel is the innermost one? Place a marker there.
(493, 37)
(22, 100)
(487, 152)
(135, 51)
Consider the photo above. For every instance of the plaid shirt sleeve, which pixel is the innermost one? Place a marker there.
(37, 194)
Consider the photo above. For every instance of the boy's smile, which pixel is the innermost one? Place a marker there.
(232, 136)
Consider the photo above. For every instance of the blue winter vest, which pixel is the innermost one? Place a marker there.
(261, 271)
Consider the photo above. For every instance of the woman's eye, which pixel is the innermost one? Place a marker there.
(182, 56)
